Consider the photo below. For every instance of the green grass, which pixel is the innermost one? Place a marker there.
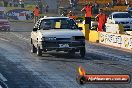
(28, 7)
(26, 21)
(1, 3)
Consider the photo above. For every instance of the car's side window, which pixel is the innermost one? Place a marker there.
(46, 24)
(42, 24)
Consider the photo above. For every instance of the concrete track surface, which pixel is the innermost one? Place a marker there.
(22, 69)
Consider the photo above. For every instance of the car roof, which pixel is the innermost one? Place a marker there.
(53, 18)
(118, 12)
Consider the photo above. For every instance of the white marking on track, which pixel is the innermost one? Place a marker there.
(2, 78)
(1, 86)
(21, 37)
(3, 39)
(111, 55)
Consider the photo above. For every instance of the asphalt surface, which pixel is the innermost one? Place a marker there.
(22, 69)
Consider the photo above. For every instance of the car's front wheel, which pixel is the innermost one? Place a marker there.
(82, 52)
(33, 50)
(39, 51)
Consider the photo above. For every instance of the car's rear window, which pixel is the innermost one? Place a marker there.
(58, 23)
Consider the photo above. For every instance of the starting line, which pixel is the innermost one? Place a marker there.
(2, 78)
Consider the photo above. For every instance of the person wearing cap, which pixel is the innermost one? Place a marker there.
(129, 9)
(102, 18)
(36, 13)
(88, 14)
(71, 15)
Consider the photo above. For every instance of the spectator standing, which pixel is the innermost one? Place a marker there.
(75, 2)
(40, 5)
(15, 2)
(126, 2)
(11, 3)
(71, 3)
(36, 14)
(21, 2)
(102, 18)
(95, 8)
(46, 8)
(107, 5)
(118, 2)
(71, 15)
(129, 9)
(64, 12)
(114, 2)
(88, 14)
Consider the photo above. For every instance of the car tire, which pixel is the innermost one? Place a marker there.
(82, 52)
(39, 51)
(33, 50)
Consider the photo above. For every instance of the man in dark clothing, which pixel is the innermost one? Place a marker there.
(15, 2)
(114, 2)
(21, 2)
(95, 8)
(71, 3)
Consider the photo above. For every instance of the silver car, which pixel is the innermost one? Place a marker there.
(59, 34)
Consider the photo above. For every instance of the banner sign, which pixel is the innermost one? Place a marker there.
(118, 40)
(20, 14)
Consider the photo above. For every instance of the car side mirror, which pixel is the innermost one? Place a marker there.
(80, 28)
(110, 17)
(35, 29)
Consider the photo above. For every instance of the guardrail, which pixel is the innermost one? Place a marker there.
(107, 38)
(117, 40)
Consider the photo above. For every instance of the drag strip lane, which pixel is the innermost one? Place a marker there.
(64, 67)
(12, 68)
(57, 70)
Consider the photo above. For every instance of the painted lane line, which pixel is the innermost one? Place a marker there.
(21, 37)
(3, 84)
(111, 55)
(4, 39)
(2, 78)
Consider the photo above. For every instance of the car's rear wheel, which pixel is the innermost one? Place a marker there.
(39, 51)
(33, 50)
(82, 52)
